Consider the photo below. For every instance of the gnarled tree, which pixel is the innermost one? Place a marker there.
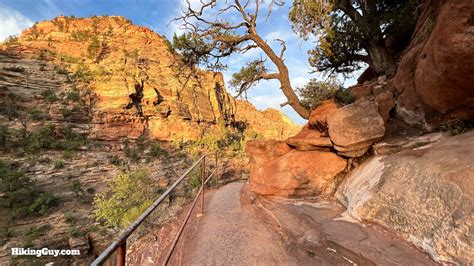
(349, 32)
(209, 39)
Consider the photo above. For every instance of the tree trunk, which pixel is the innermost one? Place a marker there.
(382, 62)
(283, 77)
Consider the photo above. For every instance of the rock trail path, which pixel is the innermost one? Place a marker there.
(239, 228)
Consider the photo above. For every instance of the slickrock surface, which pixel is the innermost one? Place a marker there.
(423, 192)
(241, 229)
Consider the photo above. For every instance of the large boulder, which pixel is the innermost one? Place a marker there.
(355, 127)
(385, 104)
(309, 139)
(434, 77)
(297, 174)
(318, 116)
(262, 151)
(424, 193)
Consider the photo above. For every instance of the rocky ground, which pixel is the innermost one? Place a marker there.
(240, 227)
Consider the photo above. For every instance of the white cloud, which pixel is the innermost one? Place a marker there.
(268, 101)
(12, 22)
(299, 82)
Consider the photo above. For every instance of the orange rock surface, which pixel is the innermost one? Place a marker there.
(114, 55)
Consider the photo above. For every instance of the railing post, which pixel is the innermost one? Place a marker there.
(217, 173)
(203, 177)
(122, 253)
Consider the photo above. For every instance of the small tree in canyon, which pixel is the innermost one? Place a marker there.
(208, 40)
(351, 32)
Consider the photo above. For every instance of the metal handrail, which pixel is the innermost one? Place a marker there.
(120, 244)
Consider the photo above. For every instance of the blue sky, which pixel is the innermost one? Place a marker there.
(15, 15)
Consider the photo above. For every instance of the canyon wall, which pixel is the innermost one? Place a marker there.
(114, 56)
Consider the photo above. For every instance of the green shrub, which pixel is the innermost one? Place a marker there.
(69, 218)
(114, 159)
(35, 114)
(315, 92)
(345, 96)
(11, 40)
(18, 69)
(66, 112)
(83, 73)
(93, 48)
(457, 126)
(49, 95)
(58, 164)
(31, 234)
(68, 154)
(132, 152)
(5, 137)
(73, 95)
(225, 139)
(15, 187)
(75, 232)
(194, 178)
(61, 70)
(76, 187)
(129, 193)
(156, 151)
(20, 194)
(42, 204)
(81, 35)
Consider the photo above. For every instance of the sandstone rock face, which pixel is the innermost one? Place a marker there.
(309, 139)
(268, 124)
(114, 56)
(293, 173)
(434, 76)
(319, 114)
(385, 104)
(355, 127)
(424, 193)
(262, 151)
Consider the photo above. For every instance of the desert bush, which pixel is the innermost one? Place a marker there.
(83, 73)
(132, 153)
(114, 159)
(20, 194)
(68, 154)
(66, 112)
(73, 95)
(49, 95)
(93, 48)
(75, 232)
(457, 126)
(18, 69)
(58, 164)
(42, 204)
(156, 151)
(129, 194)
(35, 114)
(5, 137)
(345, 96)
(76, 187)
(81, 35)
(11, 40)
(61, 70)
(69, 218)
(315, 92)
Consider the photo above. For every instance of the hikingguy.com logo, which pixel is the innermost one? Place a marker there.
(44, 252)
